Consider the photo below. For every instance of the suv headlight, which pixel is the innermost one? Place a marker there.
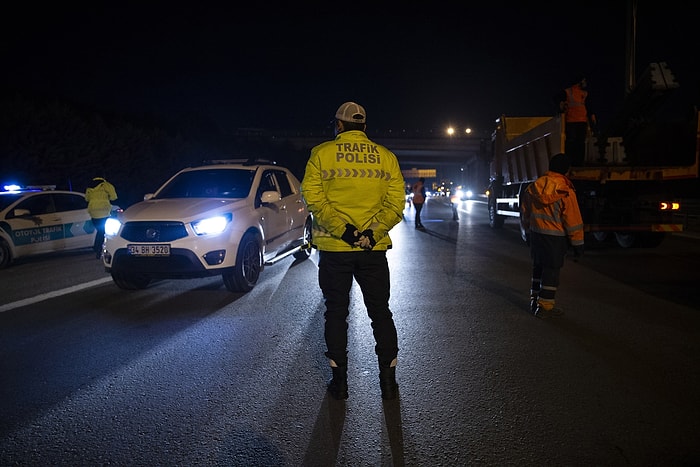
(112, 226)
(211, 225)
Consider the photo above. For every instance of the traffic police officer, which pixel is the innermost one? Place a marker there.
(355, 191)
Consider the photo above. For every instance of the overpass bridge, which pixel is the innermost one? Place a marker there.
(462, 160)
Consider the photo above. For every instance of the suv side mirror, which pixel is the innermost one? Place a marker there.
(270, 197)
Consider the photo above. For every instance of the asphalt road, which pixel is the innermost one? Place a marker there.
(186, 373)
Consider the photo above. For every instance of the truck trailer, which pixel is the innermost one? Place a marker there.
(634, 177)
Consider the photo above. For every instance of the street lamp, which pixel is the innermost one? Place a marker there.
(451, 131)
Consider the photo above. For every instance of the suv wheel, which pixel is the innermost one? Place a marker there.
(305, 251)
(248, 266)
(130, 281)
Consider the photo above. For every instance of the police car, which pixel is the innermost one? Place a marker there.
(227, 217)
(41, 219)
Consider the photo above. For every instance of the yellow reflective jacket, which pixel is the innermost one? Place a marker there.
(352, 180)
(550, 207)
(99, 199)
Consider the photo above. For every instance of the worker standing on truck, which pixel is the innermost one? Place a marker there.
(578, 119)
(550, 215)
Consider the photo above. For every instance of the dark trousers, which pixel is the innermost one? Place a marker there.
(547, 253)
(545, 281)
(419, 208)
(99, 235)
(336, 271)
(575, 145)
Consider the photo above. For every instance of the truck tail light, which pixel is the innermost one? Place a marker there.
(669, 206)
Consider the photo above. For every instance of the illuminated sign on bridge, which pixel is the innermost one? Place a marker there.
(463, 158)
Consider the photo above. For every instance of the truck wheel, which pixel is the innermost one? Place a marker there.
(600, 236)
(495, 220)
(625, 240)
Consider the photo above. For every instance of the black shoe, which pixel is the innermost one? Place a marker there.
(387, 383)
(338, 386)
(533, 304)
(543, 313)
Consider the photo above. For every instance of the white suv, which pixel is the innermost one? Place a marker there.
(228, 218)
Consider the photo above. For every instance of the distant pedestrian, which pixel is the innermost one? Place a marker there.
(99, 197)
(418, 190)
(551, 216)
(353, 213)
(454, 202)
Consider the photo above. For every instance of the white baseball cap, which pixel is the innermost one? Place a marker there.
(351, 112)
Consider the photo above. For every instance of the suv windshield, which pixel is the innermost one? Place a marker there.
(209, 183)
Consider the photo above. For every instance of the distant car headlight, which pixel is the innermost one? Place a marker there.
(469, 193)
(211, 225)
(112, 226)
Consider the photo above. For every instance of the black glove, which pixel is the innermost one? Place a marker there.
(351, 235)
(578, 251)
(367, 240)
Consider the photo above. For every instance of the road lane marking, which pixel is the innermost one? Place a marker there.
(55, 293)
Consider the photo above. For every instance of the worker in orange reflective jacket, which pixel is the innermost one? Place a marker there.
(574, 103)
(550, 215)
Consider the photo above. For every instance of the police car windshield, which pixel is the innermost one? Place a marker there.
(8, 198)
(209, 183)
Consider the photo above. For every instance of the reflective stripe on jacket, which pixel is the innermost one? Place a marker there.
(550, 207)
(352, 180)
(576, 104)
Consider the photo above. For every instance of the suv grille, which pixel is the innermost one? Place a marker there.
(146, 232)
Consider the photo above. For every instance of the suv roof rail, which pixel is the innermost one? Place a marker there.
(247, 161)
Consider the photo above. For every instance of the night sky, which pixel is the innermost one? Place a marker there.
(413, 68)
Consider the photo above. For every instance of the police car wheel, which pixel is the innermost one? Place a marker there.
(5, 255)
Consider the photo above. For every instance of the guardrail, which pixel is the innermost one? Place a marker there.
(690, 215)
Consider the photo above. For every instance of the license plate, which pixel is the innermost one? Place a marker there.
(149, 250)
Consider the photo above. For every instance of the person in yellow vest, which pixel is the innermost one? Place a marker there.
(550, 214)
(355, 190)
(577, 120)
(99, 197)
